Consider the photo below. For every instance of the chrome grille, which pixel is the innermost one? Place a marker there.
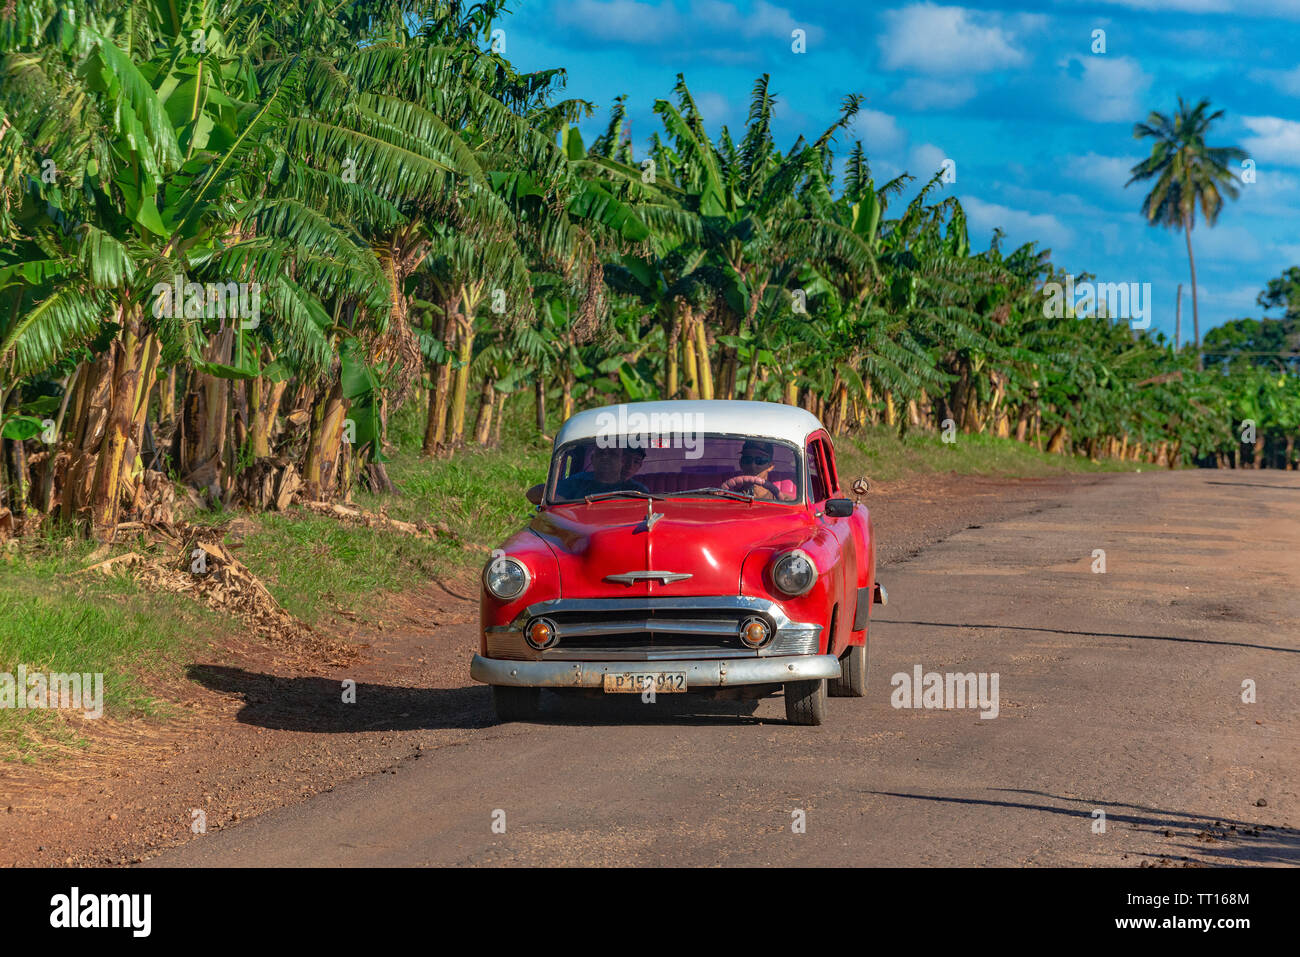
(653, 628)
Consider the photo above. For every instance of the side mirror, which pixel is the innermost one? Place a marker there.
(839, 507)
(534, 494)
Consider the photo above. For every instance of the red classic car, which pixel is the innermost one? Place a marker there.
(684, 547)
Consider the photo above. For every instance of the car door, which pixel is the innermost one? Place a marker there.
(823, 483)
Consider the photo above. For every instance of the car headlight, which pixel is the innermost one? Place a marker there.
(506, 578)
(794, 573)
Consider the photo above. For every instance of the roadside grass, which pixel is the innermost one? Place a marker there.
(314, 566)
(55, 621)
(880, 454)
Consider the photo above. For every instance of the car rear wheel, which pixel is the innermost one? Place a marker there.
(516, 704)
(805, 702)
(852, 682)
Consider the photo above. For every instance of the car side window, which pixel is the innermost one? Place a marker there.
(818, 491)
(832, 476)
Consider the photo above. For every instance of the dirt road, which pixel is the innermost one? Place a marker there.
(1119, 692)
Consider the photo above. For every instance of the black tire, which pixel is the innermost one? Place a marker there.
(805, 702)
(852, 682)
(516, 704)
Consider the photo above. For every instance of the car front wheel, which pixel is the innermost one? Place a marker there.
(805, 702)
(516, 704)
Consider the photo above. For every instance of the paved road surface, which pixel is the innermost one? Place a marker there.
(1119, 692)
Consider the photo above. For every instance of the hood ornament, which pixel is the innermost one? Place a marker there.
(664, 578)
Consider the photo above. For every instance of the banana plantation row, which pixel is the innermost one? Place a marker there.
(236, 236)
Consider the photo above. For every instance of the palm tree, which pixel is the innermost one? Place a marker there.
(1186, 173)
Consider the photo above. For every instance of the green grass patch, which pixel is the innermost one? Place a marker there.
(52, 620)
(314, 565)
(880, 454)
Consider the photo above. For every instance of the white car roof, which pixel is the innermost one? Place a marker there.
(765, 420)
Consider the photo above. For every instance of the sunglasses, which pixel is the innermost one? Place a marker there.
(754, 459)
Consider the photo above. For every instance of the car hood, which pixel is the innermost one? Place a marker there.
(707, 540)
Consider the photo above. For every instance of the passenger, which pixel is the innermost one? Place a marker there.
(605, 475)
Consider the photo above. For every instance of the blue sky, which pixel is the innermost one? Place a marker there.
(1038, 125)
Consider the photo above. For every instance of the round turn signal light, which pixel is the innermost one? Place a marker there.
(541, 633)
(754, 632)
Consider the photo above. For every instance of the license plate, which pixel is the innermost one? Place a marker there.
(663, 682)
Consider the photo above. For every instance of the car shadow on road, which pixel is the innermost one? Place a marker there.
(316, 705)
(1086, 634)
(1210, 840)
(630, 710)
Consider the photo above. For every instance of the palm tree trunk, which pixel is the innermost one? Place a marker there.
(1196, 315)
(688, 359)
(435, 428)
(106, 491)
(566, 395)
(498, 416)
(486, 403)
(751, 384)
(264, 402)
(167, 400)
(674, 334)
(539, 395)
(202, 433)
(319, 471)
(702, 358)
(460, 393)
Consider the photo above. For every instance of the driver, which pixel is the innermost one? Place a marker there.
(608, 464)
(756, 461)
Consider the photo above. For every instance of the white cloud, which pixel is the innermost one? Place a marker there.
(1258, 8)
(763, 19)
(922, 93)
(1108, 172)
(878, 131)
(714, 107)
(1225, 244)
(1105, 89)
(926, 160)
(1239, 299)
(935, 39)
(626, 21)
(1271, 187)
(638, 22)
(1275, 140)
(1019, 225)
(1285, 81)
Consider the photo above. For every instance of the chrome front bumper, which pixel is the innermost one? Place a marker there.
(710, 673)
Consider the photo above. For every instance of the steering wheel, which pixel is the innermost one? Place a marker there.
(736, 482)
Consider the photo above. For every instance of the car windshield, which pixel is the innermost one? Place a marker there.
(726, 467)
